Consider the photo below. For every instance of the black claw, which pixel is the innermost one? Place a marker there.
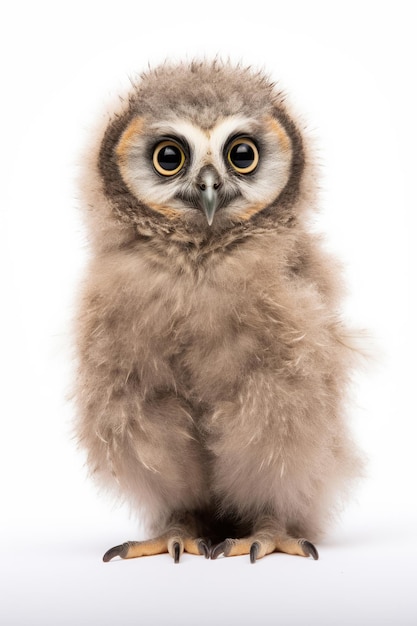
(219, 549)
(310, 549)
(176, 552)
(254, 551)
(121, 551)
(204, 548)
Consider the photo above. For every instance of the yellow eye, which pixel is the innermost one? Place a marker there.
(168, 158)
(243, 155)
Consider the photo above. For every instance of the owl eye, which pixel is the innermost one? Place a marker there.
(168, 158)
(243, 155)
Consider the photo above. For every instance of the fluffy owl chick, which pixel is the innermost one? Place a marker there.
(213, 363)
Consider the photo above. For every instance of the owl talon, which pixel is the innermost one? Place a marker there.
(265, 542)
(309, 549)
(254, 551)
(221, 548)
(204, 548)
(177, 552)
(121, 551)
(175, 544)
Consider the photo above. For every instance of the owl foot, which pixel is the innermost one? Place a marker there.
(258, 545)
(175, 543)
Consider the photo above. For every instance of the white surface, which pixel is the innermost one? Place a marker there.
(350, 70)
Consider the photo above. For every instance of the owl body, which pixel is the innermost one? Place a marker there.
(213, 363)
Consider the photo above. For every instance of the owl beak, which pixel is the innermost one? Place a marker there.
(209, 201)
(208, 185)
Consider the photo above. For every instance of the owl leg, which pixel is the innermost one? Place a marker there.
(179, 537)
(265, 540)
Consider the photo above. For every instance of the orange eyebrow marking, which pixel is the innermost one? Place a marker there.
(276, 128)
(134, 128)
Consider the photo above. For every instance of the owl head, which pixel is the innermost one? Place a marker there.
(201, 148)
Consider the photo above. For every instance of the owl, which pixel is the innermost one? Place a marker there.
(213, 361)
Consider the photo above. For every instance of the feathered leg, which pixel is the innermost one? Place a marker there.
(270, 448)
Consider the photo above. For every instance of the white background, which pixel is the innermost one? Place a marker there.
(350, 69)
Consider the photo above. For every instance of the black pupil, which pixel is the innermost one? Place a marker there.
(242, 155)
(169, 158)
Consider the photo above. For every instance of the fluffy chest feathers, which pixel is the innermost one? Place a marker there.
(195, 325)
(200, 327)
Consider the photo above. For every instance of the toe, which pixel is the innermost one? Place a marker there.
(255, 547)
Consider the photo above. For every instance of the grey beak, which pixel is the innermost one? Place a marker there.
(208, 185)
(209, 200)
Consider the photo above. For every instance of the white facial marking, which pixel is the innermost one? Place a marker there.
(208, 147)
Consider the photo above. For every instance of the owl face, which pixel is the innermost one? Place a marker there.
(202, 148)
(225, 173)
